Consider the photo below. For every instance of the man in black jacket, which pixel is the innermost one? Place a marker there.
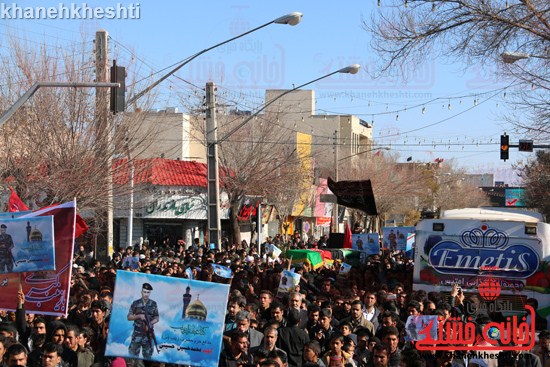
(236, 354)
(292, 339)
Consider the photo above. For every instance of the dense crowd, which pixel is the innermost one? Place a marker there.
(356, 319)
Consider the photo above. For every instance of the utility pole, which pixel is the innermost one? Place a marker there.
(336, 156)
(104, 127)
(214, 222)
(130, 228)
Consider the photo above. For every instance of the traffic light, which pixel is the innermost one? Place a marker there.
(504, 147)
(525, 145)
(118, 95)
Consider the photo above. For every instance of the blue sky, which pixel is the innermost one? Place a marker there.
(436, 111)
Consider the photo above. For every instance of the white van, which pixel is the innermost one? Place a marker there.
(470, 246)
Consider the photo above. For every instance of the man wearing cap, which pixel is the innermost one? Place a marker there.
(6, 245)
(145, 314)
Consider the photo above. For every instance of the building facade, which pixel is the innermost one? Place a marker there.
(168, 205)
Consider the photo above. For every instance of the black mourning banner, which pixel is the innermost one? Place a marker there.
(354, 194)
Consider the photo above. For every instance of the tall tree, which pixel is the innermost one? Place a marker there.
(478, 33)
(535, 175)
(260, 159)
(51, 149)
(408, 188)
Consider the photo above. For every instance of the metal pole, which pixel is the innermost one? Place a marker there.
(28, 94)
(104, 125)
(291, 19)
(335, 205)
(213, 195)
(259, 225)
(131, 210)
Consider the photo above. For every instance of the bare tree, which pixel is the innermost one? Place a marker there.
(259, 159)
(393, 185)
(408, 188)
(479, 33)
(536, 179)
(52, 150)
(290, 194)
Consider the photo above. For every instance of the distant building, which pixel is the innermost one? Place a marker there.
(480, 180)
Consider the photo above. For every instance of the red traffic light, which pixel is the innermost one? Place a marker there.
(504, 147)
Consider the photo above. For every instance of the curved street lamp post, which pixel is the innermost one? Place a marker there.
(290, 19)
(212, 141)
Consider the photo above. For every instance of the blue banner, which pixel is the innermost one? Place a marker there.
(26, 245)
(366, 242)
(166, 319)
(345, 268)
(395, 238)
(222, 271)
(514, 197)
(189, 273)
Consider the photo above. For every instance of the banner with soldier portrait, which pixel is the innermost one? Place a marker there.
(26, 245)
(166, 319)
(46, 291)
(366, 242)
(395, 238)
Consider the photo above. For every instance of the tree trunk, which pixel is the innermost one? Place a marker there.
(235, 230)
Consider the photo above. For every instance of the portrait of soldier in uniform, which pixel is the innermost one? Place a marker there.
(6, 256)
(144, 313)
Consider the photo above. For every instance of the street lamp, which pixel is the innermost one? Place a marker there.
(290, 19)
(512, 57)
(352, 69)
(212, 142)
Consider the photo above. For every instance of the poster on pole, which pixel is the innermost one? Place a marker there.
(46, 292)
(395, 238)
(366, 242)
(288, 283)
(272, 251)
(26, 245)
(167, 319)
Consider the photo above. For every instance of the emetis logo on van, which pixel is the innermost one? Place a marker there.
(481, 248)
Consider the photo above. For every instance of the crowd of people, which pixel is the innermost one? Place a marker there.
(331, 319)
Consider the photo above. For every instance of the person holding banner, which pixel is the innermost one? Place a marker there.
(145, 314)
(7, 260)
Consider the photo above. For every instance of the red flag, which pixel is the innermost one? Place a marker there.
(347, 237)
(15, 204)
(80, 226)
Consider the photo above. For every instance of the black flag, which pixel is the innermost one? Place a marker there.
(354, 194)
